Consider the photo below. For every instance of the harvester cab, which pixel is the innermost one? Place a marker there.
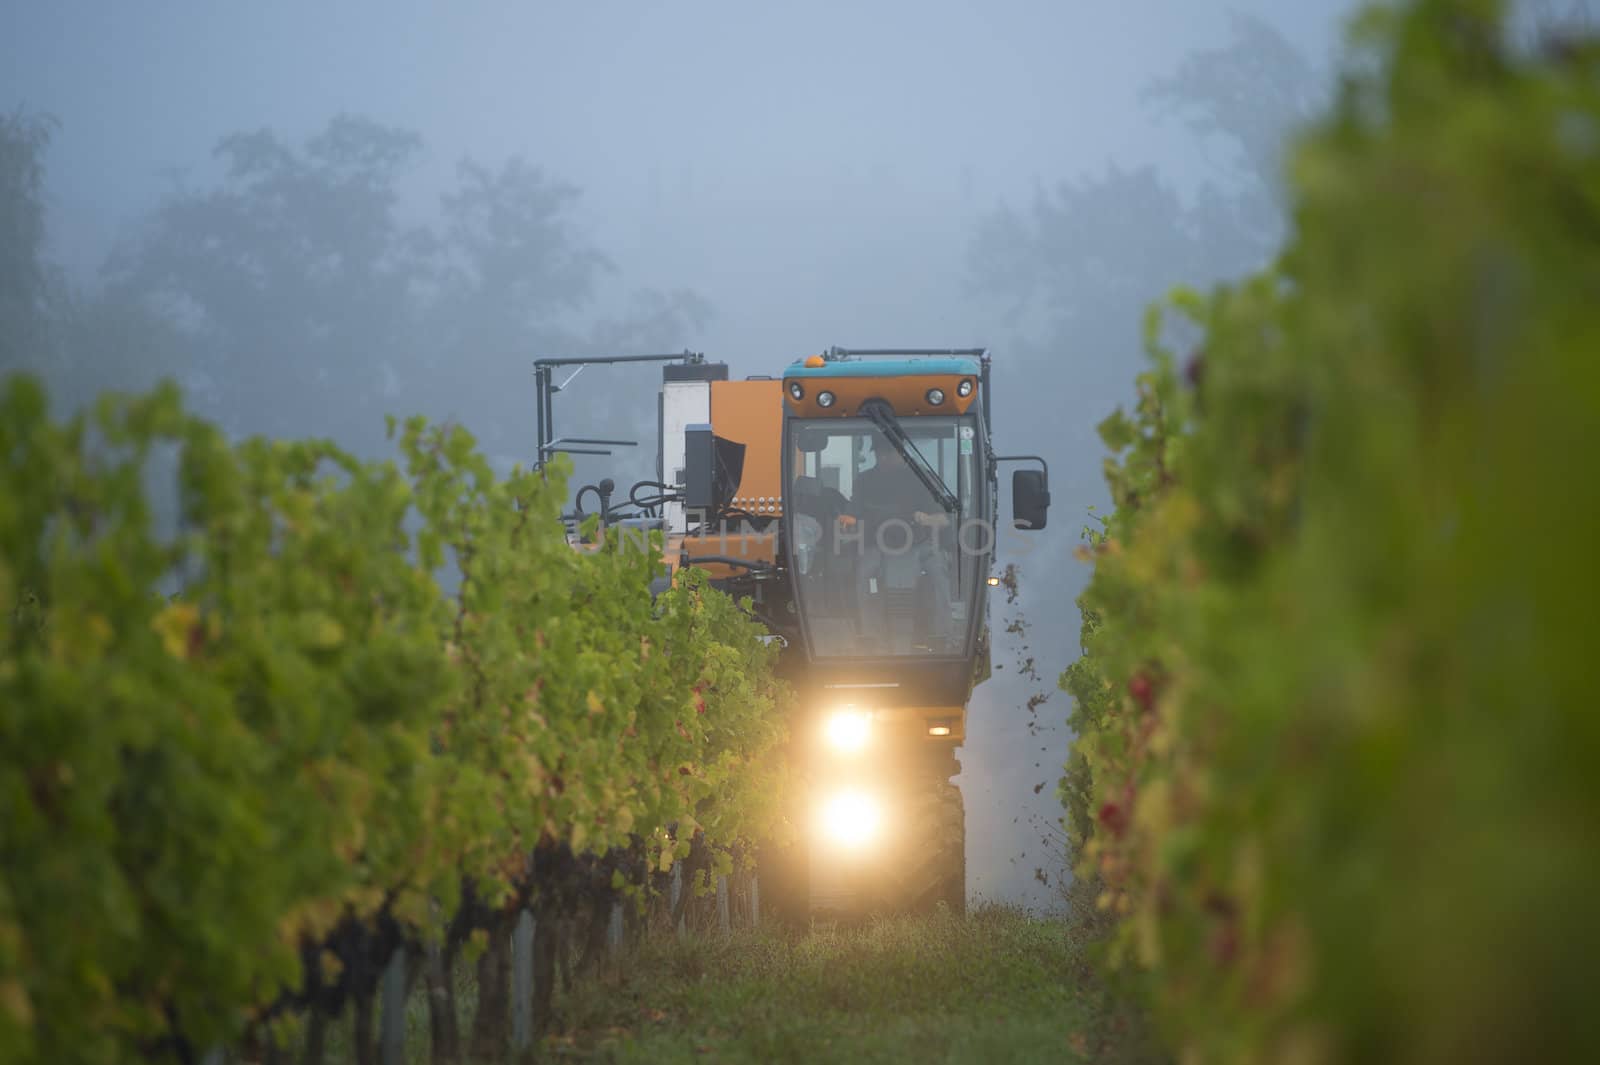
(854, 500)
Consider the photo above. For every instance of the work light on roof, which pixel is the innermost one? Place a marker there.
(964, 389)
(824, 399)
(797, 390)
(935, 396)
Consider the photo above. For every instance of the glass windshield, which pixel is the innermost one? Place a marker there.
(880, 566)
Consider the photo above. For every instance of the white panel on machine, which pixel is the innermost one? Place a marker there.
(683, 403)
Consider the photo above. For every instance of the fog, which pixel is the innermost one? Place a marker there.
(752, 181)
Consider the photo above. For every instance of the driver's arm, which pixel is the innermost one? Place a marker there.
(843, 508)
(849, 511)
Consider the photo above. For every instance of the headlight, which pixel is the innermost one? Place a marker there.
(935, 396)
(846, 730)
(824, 399)
(850, 819)
(964, 389)
(797, 390)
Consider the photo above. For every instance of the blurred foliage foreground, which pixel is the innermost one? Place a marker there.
(1337, 766)
(224, 811)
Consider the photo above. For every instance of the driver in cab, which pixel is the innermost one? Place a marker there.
(891, 489)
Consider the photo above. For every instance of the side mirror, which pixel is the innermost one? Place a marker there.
(1030, 499)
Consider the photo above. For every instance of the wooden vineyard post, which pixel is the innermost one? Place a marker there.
(678, 888)
(614, 929)
(392, 1018)
(724, 924)
(545, 947)
(522, 983)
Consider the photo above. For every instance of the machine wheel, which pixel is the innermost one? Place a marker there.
(931, 866)
(785, 875)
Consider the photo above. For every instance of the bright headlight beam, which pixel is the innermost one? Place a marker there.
(846, 730)
(850, 819)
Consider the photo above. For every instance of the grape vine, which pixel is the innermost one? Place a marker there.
(226, 806)
(1335, 772)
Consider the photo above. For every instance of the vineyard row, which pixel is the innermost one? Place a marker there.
(269, 713)
(1335, 771)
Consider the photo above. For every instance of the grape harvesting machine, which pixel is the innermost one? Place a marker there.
(853, 501)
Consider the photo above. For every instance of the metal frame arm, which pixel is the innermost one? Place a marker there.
(1043, 465)
(545, 388)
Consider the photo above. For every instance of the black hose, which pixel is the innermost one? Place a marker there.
(666, 494)
(603, 490)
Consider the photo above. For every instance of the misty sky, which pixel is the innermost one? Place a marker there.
(815, 171)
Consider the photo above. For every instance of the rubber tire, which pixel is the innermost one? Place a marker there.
(932, 864)
(785, 883)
